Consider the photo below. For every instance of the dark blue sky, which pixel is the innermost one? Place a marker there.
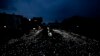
(51, 9)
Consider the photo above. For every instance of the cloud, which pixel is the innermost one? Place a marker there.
(6, 6)
(51, 9)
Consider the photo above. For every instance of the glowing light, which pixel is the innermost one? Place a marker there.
(5, 26)
(29, 19)
(34, 28)
(77, 26)
(49, 34)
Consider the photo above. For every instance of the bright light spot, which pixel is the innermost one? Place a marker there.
(5, 26)
(34, 28)
(29, 19)
(49, 34)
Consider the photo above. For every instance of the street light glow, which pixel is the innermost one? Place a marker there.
(29, 19)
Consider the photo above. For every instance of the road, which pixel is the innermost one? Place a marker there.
(51, 42)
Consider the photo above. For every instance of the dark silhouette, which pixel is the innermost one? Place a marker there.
(12, 26)
(86, 26)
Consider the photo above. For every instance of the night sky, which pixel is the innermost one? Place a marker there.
(51, 10)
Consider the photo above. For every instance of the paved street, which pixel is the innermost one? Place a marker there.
(51, 42)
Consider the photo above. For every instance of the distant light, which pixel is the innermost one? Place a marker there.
(39, 27)
(5, 26)
(35, 20)
(50, 34)
(34, 28)
(29, 19)
(77, 26)
(48, 28)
